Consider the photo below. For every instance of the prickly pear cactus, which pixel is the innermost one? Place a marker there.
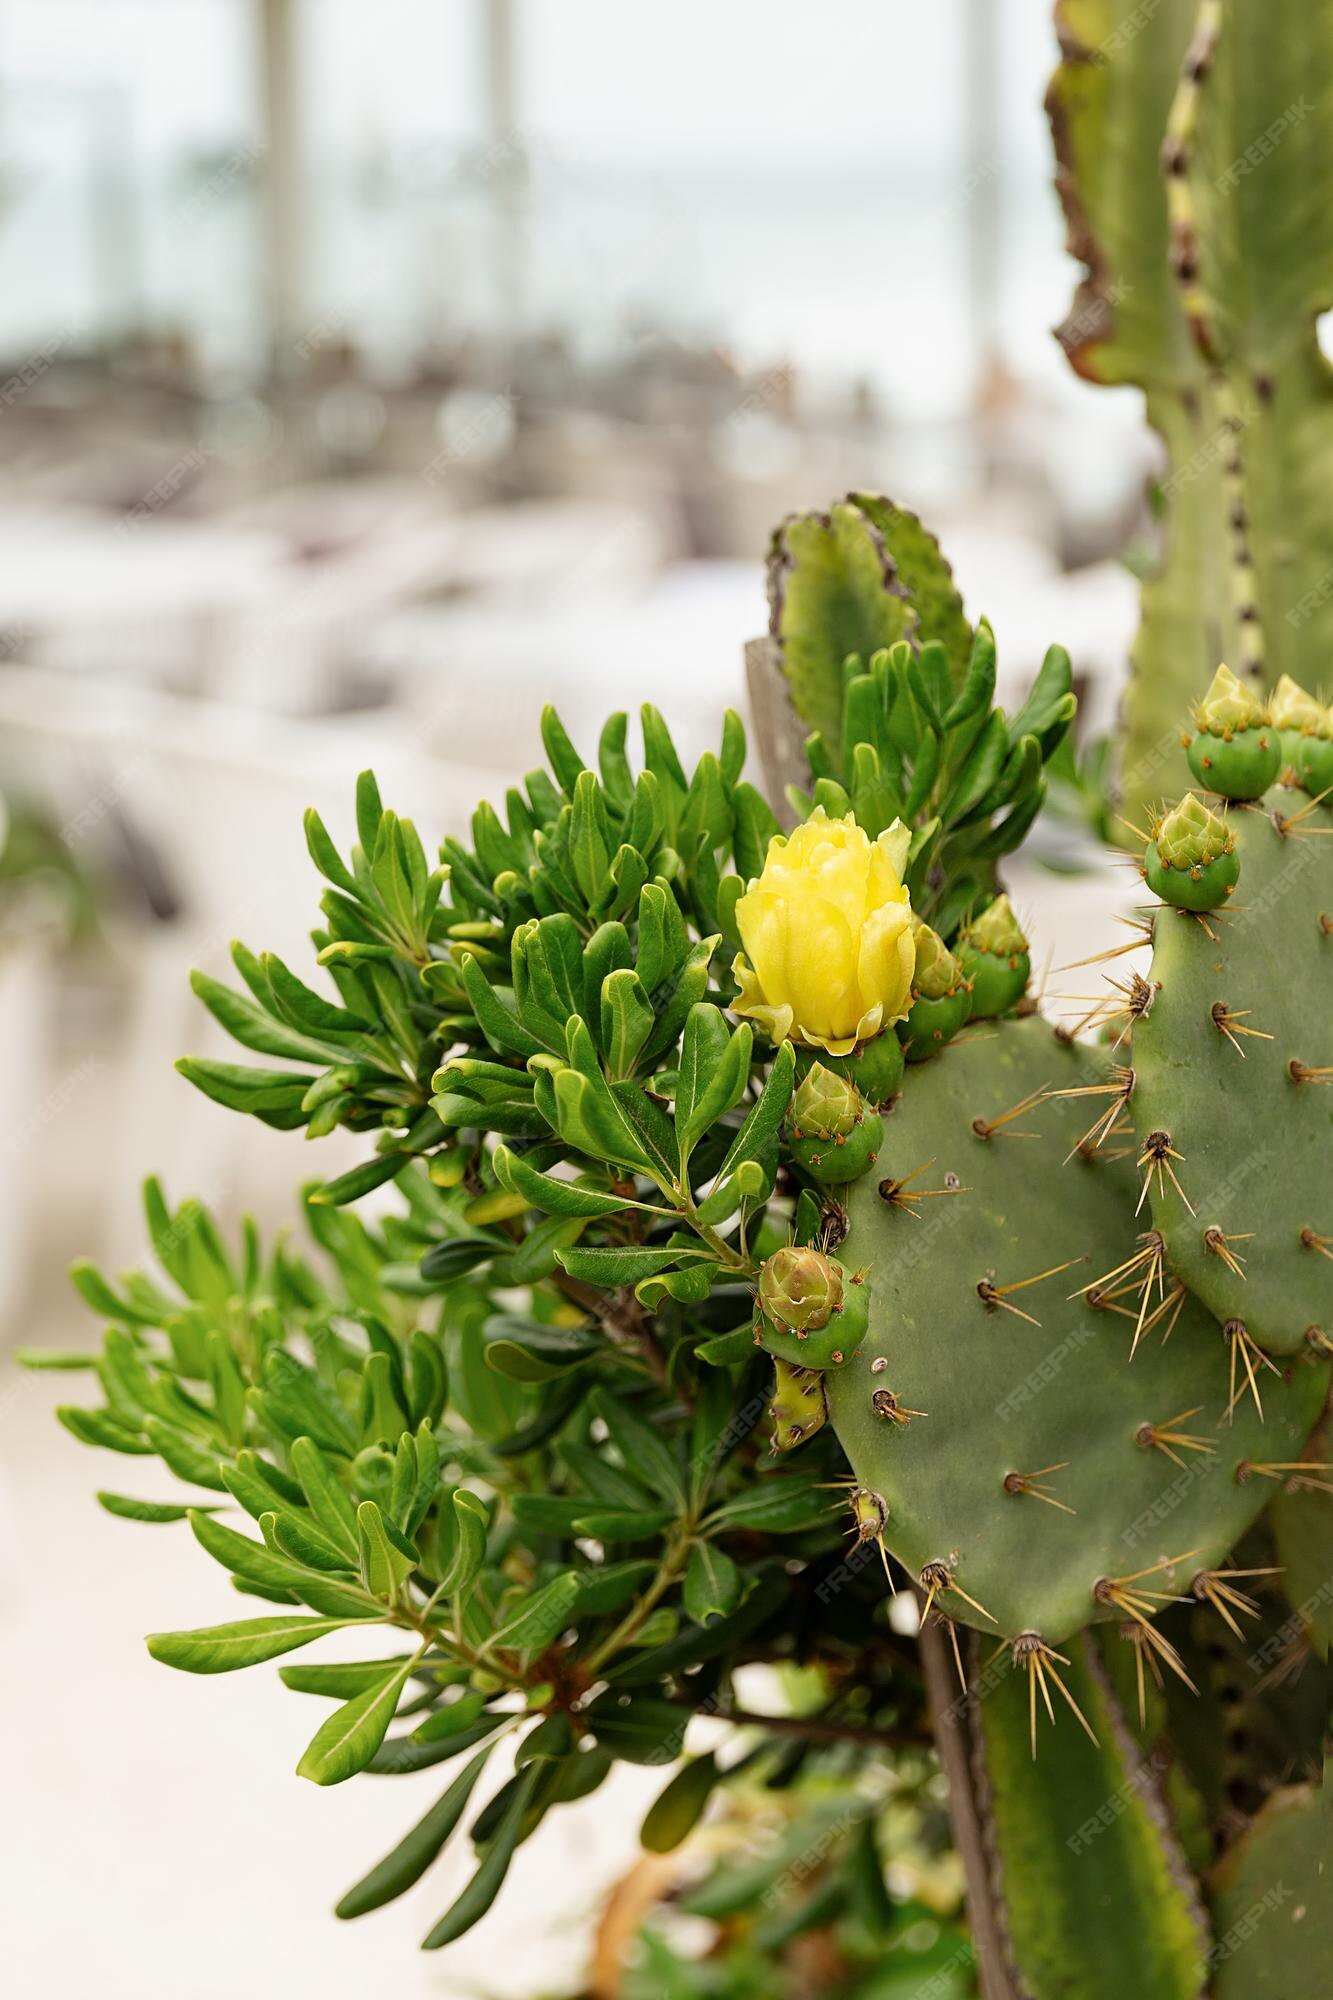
(1040, 1424)
(1232, 1094)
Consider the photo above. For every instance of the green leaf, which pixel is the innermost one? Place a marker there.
(99, 1427)
(458, 1255)
(383, 1565)
(273, 1095)
(360, 1180)
(561, 755)
(626, 1020)
(295, 1535)
(612, 1585)
(444, 1722)
(622, 1524)
(327, 1499)
(484, 1887)
(591, 1119)
(254, 1028)
(557, 1197)
(712, 1584)
(540, 1619)
(609, 1267)
(256, 1563)
(676, 1811)
(346, 1741)
(643, 1729)
(702, 1050)
(645, 1454)
(725, 1350)
(126, 1509)
(781, 1503)
(337, 1680)
(186, 1459)
(473, 1524)
(408, 1862)
(53, 1358)
(221, 1649)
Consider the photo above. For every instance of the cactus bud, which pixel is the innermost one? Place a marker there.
(1191, 861)
(875, 1067)
(1235, 749)
(941, 1001)
(1315, 761)
(831, 1130)
(812, 1312)
(870, 1515)
(798, 1408)
(1295, 715)
(993, 953)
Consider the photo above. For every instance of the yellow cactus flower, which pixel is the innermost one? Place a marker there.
(827, 930)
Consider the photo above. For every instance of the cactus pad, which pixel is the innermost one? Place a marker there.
(1231, 1065)
(1032, 1403)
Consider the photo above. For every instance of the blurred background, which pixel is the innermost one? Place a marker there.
(369, 375)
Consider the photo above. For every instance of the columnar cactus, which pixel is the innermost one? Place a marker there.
(1190, 155)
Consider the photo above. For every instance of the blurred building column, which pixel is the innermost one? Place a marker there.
(282, 219)
(984, 170)
(507, 161)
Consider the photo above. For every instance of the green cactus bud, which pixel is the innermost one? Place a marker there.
(1295, 715)
(870, 1516)
(831, 1130)
(875, 1067)
(1191, 860)
(799, 1288)
(993, 953)
(1228, 706)
(1314, 759)
(941, 1001)
(1235, 749)
(813, 1313)
(798, 1408)
(937, 973)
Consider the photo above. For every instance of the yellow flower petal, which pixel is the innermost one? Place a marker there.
(828, 948)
